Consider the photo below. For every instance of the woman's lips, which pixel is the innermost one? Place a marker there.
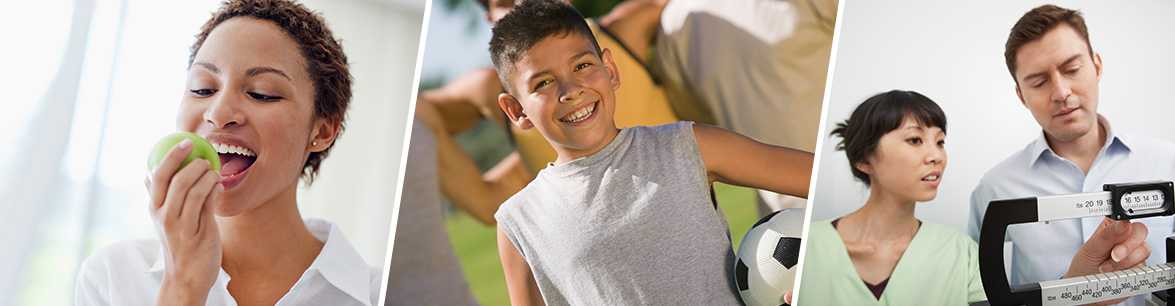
(236, 158)
(234, 167)
(933, 179)
(933, 184)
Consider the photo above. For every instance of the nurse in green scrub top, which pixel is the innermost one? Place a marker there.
(881, 254)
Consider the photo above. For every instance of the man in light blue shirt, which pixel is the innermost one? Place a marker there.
(1057, 73)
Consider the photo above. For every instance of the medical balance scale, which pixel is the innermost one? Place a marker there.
(1118, 201)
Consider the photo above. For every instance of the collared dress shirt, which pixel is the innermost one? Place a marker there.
(131, 273)
(1042, 251)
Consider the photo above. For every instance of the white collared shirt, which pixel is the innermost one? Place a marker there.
(131, 273)
(1042, 251)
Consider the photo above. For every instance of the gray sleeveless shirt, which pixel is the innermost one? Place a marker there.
(632, 224)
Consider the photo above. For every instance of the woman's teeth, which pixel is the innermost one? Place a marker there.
(580, 114)
(930, 178)
(231, 149)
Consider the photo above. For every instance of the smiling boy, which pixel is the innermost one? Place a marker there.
(623, 216)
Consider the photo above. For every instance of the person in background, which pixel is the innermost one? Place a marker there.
(755, 67)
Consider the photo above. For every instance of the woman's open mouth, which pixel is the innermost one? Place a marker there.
(235, 161)
(933, 179)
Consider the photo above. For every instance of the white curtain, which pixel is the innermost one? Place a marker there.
(37, 127)
(101, 81)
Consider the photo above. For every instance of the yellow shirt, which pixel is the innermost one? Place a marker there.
(639, 101)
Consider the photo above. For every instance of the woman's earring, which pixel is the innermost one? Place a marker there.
(314, 143)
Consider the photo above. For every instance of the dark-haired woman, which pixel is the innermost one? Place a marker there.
(268, 85)
(881, 254)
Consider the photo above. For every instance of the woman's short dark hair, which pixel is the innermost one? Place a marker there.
(325, 61)
(879, 115)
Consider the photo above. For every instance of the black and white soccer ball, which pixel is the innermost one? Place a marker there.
(766, 265)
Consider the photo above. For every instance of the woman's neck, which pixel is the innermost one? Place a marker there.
(269, 239)
(884, 217)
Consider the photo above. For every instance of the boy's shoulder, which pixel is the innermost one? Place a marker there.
(520, 199)
(671, 127)
(664, 133)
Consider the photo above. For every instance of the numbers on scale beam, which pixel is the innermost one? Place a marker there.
(1139, 201)
(1110, 285)
(1094, 207)
(1130, 201)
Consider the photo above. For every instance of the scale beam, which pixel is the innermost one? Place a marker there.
(1118, 201)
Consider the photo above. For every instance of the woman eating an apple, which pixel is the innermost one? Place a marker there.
(268, 86)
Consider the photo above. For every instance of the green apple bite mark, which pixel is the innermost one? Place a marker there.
(200, 149)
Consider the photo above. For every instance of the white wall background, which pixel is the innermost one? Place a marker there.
(356, 188)
(952, 51)
(93, 83)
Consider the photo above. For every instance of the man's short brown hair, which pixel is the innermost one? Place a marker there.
(1036, 23)
(325, 61)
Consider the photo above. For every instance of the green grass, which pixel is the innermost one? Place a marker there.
(476, 244)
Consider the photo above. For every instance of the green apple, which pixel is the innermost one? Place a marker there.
(200, 149)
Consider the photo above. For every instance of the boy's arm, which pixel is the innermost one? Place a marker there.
(735, 159)
(465, 100)
(520, 283)
(635, 24)
(462, 182)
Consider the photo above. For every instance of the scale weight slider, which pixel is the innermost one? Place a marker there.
(1140, 200)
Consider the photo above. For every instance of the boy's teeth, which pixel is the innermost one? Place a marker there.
(580, 114)
(231, 149)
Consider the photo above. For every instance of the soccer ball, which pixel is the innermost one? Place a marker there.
(765, 268)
